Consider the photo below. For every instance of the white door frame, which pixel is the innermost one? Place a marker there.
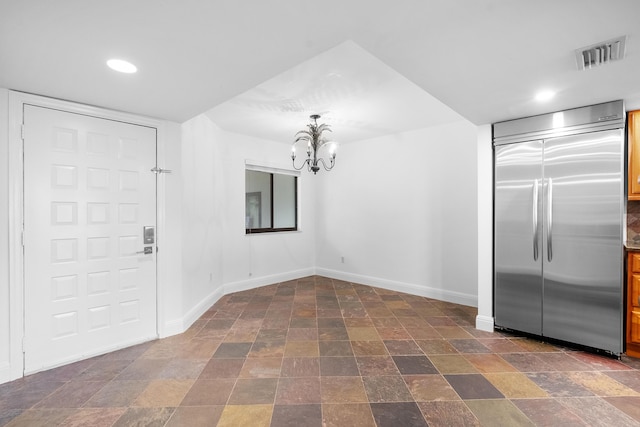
(16, 205)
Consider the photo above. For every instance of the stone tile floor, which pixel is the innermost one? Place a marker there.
(322, 352)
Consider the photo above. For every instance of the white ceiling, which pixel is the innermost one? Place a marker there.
(358, 95)
(370, 67)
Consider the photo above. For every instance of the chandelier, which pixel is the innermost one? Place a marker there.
(315, 141)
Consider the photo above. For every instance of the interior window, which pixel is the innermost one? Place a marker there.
(270, 202)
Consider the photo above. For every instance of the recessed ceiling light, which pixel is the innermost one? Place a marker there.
(545, 95)
(122, 66)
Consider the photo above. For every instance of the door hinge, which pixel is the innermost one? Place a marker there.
(22, 132)
(22, 238)
(24, 344)
(158, 170)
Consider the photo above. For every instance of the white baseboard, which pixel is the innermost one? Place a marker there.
(178, 326)
(5, 373)
(243, 285)
(409, 288)
(484, 323)
(174, 327)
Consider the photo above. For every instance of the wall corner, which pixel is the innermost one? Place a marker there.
(485, 229)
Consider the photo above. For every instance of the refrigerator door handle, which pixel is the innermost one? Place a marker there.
(549, 220)
(534, 212)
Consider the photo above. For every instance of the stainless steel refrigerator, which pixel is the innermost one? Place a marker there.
(558, 211)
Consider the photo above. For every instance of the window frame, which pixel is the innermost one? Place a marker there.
(272, 171)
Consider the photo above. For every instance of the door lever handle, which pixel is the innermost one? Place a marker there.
(147, 250)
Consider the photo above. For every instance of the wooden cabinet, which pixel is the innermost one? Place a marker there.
(633, 127)
(633, 304)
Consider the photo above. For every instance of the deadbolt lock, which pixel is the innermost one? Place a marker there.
(149, 235)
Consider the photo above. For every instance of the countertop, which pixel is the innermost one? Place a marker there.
(632, 245)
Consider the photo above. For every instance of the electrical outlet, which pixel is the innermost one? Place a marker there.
(342, 259)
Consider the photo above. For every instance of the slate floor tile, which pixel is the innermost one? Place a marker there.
(386, 389)
(246, 415)
(452, 364)
(205, 392)
(515, 385)
(548, 412)
(222, 368)
(232, 350)
(559, 384)
(413, 365)
(300, 367)
(595, 411)
(630, 405)
(335, 348)
(338, 366)
(195, 416)
(376, 366)
(298, 390)
(351, 415)
(263, 367)
(436, 346)
(297, 415)
(448, 413)
(144, 417)
(342, 390)
(402, 347)
(426, 388)
(253, 391)
(499, 412)
(473, 386)
(369, 348)
(406, 414)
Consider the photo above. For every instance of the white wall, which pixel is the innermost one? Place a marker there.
(402, 211)
(5, 344)
(170, 310)
(259, 259)
(201, 218)
(217, 256)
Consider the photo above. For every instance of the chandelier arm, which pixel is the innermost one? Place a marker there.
(333, 162)
(293, 161)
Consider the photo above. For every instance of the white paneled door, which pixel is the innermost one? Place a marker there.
(88, 192)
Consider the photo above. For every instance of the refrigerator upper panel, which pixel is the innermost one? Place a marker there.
(609, 115)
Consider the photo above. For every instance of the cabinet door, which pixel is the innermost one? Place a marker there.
(634, 155)
(634, 259)
(634, 332)
(634, 292)
(633, 304)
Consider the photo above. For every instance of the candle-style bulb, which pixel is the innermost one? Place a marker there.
(332, 151)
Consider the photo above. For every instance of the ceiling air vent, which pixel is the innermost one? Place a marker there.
(601, 53)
